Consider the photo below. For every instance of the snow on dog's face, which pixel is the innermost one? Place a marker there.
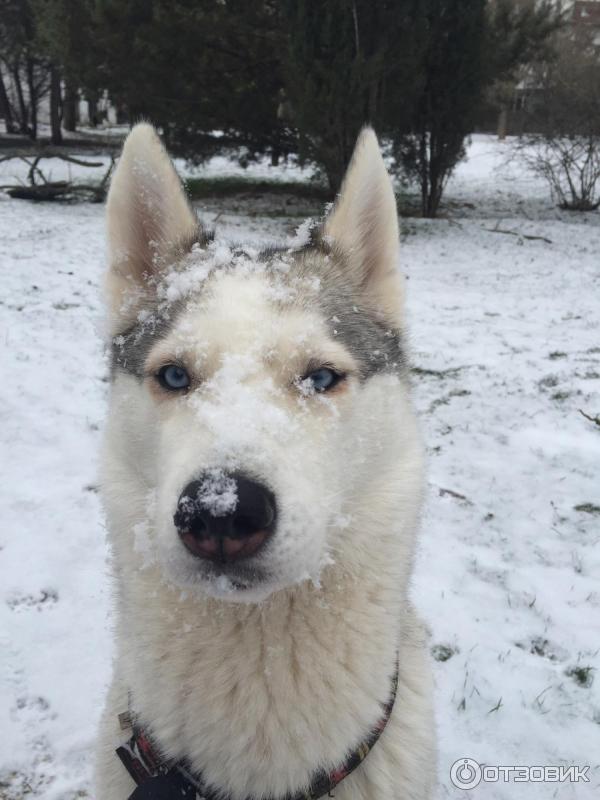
(248, 386)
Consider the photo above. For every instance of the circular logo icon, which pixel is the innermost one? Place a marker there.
(465, 773)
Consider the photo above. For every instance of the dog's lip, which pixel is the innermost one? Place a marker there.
(223, 549)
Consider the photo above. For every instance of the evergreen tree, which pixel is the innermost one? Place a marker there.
(348, 62)
(452, 68)
(467, 46)
(278, 76)
(24, 64)
(196, 68)
(66, 33)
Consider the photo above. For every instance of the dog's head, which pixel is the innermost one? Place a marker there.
(257, 394)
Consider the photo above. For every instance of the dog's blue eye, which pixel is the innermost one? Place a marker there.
(323, 379)
(173, 377)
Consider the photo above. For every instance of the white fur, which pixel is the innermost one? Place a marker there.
(261, 686)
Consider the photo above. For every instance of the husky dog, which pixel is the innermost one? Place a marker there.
(262, 480)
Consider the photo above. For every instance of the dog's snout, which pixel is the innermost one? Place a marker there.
(225, 517)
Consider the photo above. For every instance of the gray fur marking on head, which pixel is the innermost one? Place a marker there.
(129, 350)
(375, 345)
(368, 335)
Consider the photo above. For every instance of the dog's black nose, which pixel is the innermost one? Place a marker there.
(225, 517)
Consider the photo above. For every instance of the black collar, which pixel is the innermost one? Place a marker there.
(160, 779)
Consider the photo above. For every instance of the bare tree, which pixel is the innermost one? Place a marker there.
(55, 106)
(566, 151)
(468, 48)
(24, 67)
(5, 106)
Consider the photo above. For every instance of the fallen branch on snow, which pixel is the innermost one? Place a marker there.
(595, 420)
(55, 190)
(451, 493)
(49, 153)
(521, 235)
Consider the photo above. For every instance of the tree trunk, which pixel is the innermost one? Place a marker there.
(436, 184)
(502, 123)
(92, 104)
(70, 101)
(122, 114)
(55, 103)
(335, 176)
(33, 98)
(23, 115)
(424, 172)
(5, 109)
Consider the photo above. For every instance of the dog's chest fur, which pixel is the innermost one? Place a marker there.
(257, 696)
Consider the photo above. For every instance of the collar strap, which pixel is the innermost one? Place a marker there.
(161, 779)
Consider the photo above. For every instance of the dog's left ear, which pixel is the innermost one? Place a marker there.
(150, 222)
(363, 225)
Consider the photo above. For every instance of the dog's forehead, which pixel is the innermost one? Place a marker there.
(245, 294)
(255, 285)
(240, 308)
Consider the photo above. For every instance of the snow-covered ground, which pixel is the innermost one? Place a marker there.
(505, 335)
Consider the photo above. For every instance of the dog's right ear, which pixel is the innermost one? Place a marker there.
(150, 223)
(363, 226)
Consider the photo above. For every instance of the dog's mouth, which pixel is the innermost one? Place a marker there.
(225, 574)
(223, 549)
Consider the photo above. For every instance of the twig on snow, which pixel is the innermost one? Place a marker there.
(595, 420)
(497, 707)
(450, 492)
(496, 229)
(48, 153)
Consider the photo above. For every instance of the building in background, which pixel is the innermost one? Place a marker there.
(582, 25)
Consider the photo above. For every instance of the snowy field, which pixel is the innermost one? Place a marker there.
(505, 334)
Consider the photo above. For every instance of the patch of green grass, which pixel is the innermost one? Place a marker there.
(444, 401)
(231, 185)
(549, 382)
(443, 652)
(234, 185)
(421, 372)
(541, 647)
(587, 508)
(583, 676)
(409, 207)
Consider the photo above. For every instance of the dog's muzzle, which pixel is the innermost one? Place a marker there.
(225, 517)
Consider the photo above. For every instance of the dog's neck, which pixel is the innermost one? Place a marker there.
(239, 690)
